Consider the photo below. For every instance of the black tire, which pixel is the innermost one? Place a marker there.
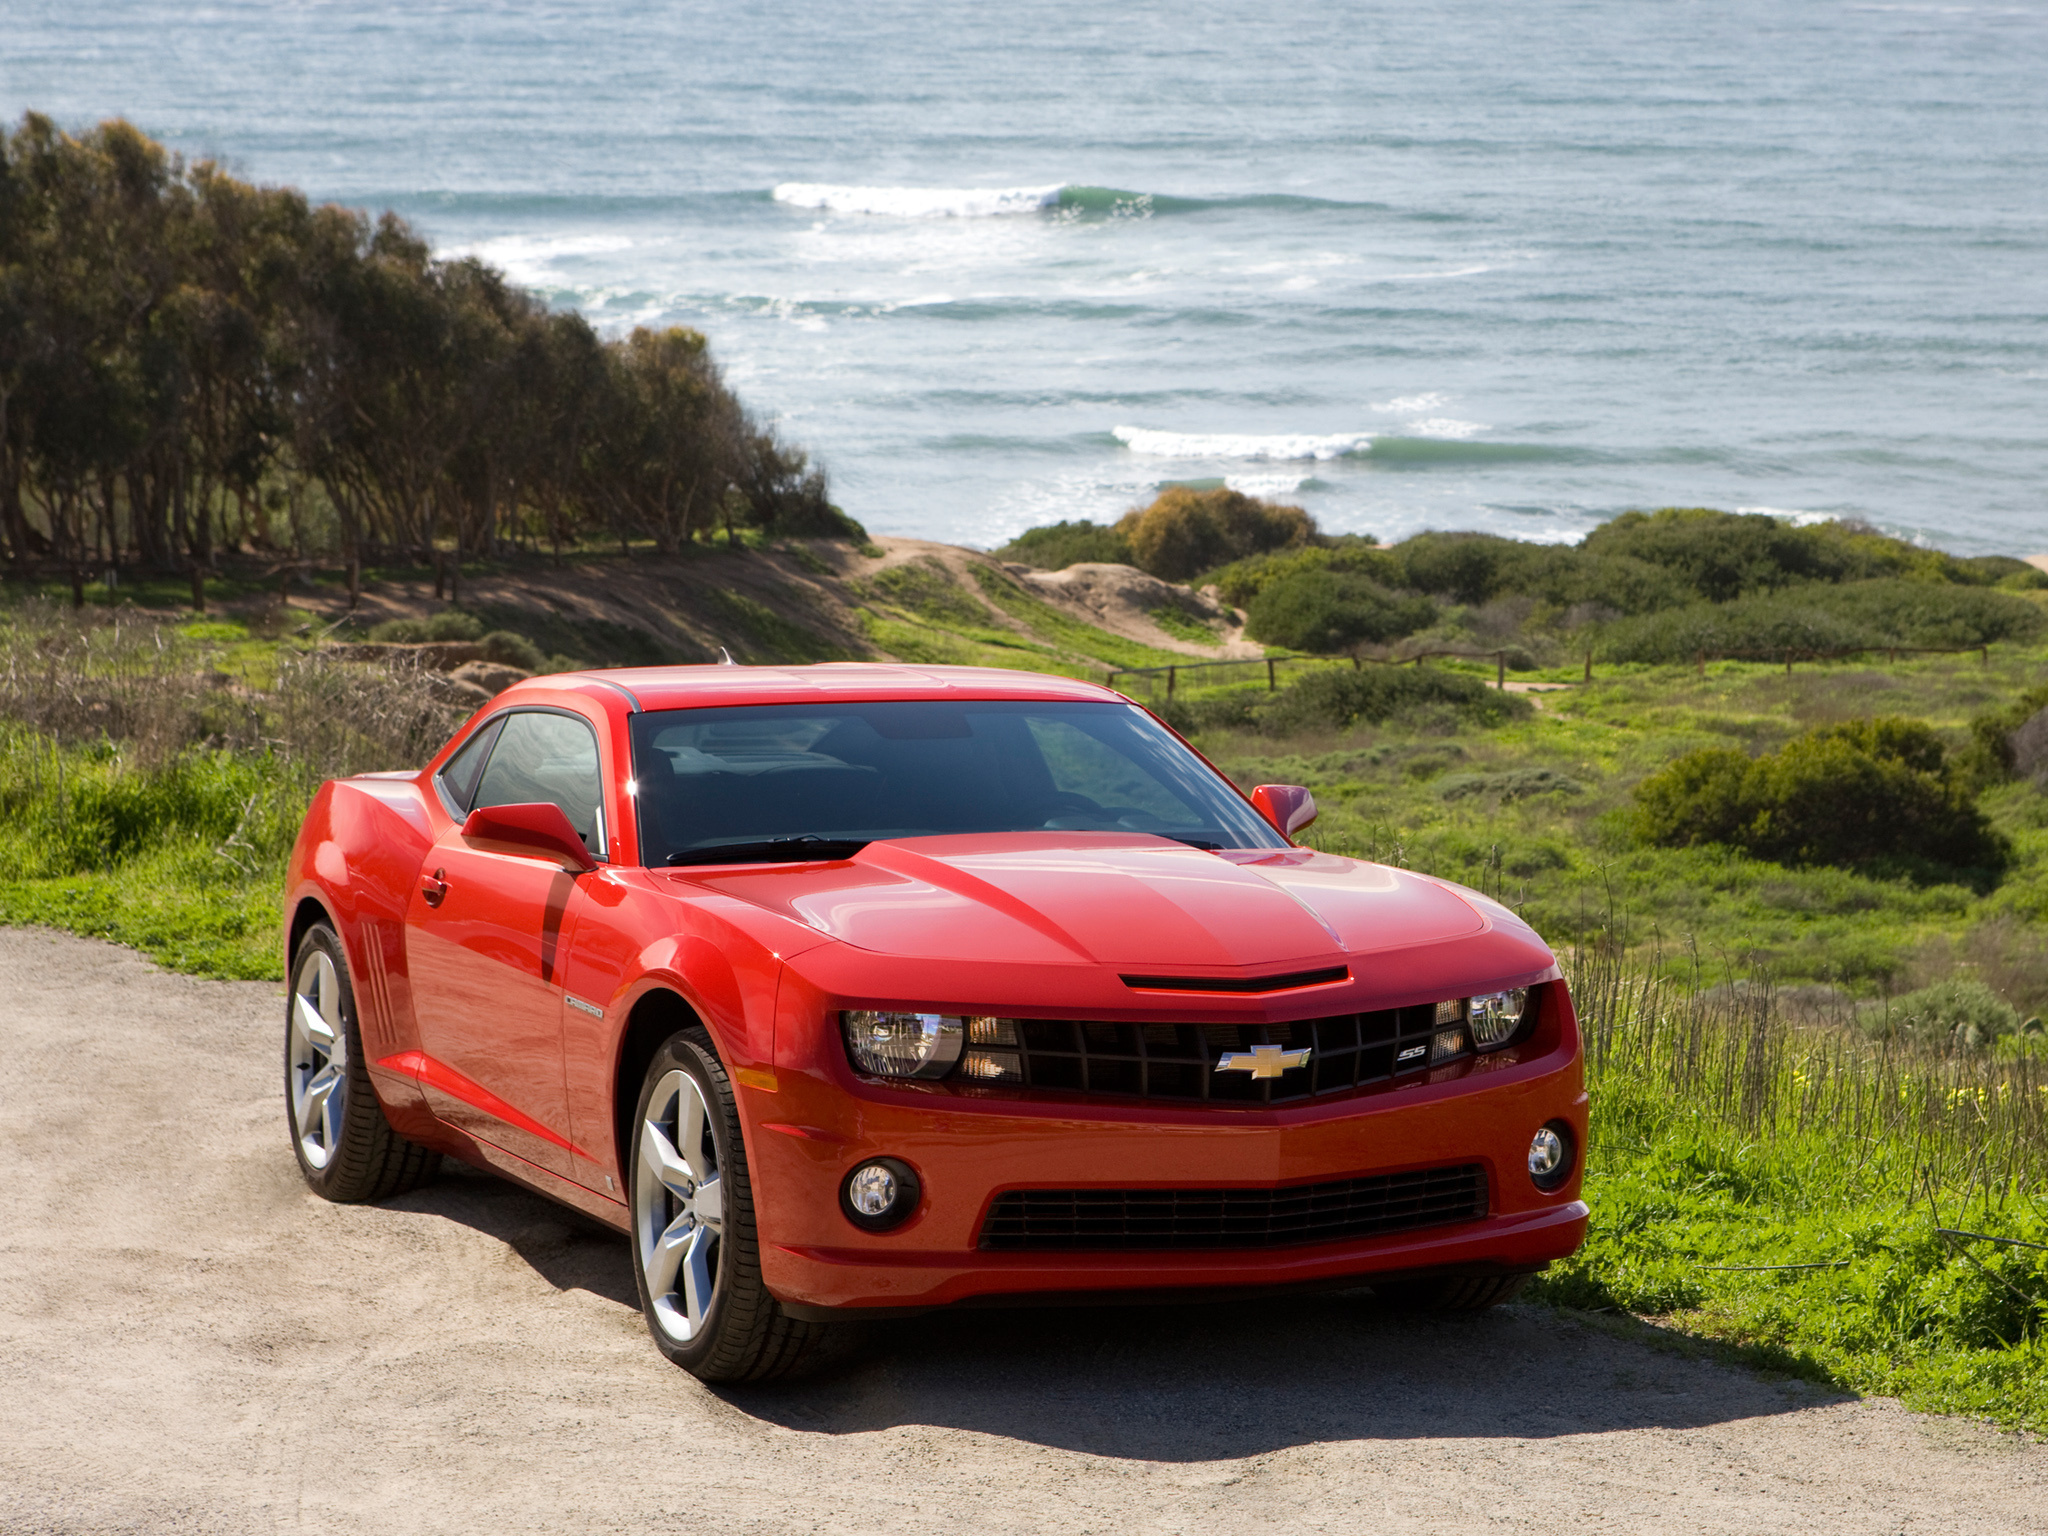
(1451, 1293)
(350, 1155)
(743, 1335)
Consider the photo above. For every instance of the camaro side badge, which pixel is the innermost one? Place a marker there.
(1264, 1060)
(581, 1006)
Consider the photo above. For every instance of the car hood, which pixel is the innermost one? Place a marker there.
(1133, 902)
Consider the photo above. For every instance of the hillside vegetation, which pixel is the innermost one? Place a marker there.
(1668, 586)
(191, 366)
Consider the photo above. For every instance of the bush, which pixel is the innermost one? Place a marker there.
(449, 624)
(1059, 545)
(1995, 746)
(1324, 611)
(510, 650)
(1725, 555)
(1818, 618)
(1513, 784)
(1465, 567)
(1336, 699)
(1957, 1016)
(1186, 532)
(1242, 580)
(1869, 793)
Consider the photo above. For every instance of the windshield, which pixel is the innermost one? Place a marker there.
(819, 781)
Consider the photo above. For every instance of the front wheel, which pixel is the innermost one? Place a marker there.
(697, 1261)
(346, 1149)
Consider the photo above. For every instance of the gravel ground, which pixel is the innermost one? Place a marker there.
(189, 1341)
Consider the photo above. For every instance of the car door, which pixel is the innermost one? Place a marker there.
(487, 931)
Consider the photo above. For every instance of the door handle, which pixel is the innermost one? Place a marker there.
(433, 887)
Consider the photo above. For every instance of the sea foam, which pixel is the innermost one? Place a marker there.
(1241, 445)
(920, 202)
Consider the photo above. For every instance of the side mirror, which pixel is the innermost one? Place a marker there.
(537, 828)
(1288, 807)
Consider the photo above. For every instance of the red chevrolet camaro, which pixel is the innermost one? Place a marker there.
(850, 990)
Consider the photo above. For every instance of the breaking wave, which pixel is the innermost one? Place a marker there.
(1256, 447)
(1058, 199)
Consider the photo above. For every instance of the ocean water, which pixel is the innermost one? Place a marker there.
(1436, 264)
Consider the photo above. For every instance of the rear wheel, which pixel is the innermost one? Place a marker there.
(1451, 1293)
(697, 1261)
(346, 1149)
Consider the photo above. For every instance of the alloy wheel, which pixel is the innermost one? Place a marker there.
(319, 1058)
(679, 1216)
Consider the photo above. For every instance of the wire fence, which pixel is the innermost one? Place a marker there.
(1157, 682)
(1268, 669)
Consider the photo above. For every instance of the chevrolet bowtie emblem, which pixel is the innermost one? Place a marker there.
(1264, 1060)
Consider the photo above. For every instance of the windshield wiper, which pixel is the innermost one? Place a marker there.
(1193, 842)
(775, 850)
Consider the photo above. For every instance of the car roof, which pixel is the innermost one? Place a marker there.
(698, 686)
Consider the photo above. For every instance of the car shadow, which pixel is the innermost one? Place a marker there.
(1182, 1383)
(1227, 1380)
(569, 1250)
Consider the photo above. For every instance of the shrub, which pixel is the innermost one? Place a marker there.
(1998, 736)
(1059, 545)
(1465, 567)
(1957, 1016)
(1867, 793)
(1323, 611)
(1186, 532)
(1819, 618)
(1514, 784)
(1232, 711)
(1725, 555)
(1242, 580)
(449, 624)
(510, 650)
(1336, 699)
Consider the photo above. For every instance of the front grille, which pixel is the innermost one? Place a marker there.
(1178, 1061)
(1124, 1219)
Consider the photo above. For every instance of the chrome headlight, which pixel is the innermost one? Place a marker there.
(1496, 1017)
(902, 1044)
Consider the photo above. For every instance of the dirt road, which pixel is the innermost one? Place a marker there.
(191, 1342)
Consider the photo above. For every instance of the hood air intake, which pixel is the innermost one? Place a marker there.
(1285, 983)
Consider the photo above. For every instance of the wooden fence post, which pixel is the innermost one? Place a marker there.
(1589, 663)
(1272, 682)
(1171, 673)
(1500, 672)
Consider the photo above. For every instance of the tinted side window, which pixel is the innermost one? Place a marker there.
(459, 778)
(548, 757)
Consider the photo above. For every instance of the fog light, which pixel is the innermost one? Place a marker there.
(1447, 1043)
(879, 1194)
(1550, 1156)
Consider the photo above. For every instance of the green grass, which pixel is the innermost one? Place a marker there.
(1405, 790)
(183, 860)
(1780, 1192)
(1079, 639)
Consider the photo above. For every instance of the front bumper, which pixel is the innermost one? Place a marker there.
(819, 1122)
